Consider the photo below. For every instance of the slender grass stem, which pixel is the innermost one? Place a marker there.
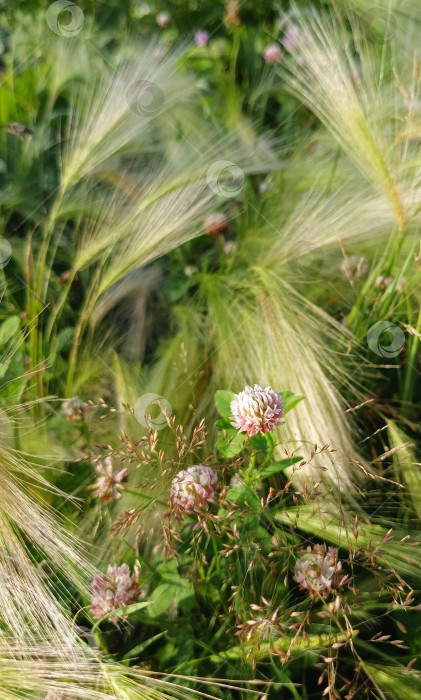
(411, 366)
(89, 303)
(56, 312)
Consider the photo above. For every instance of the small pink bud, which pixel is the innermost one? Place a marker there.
(215, 224)
(272, 54)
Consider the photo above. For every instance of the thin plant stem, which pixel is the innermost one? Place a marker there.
(90, 300)
(55, 313)
(411, 368)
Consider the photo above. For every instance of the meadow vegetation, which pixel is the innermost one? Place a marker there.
(210, 332)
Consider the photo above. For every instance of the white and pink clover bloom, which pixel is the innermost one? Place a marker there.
(192, 488)
(256, 410)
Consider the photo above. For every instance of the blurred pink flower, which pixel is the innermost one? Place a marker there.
(316, 570)
(230, 247)
(291, 37)
(192, 487)
(115, 589)
(73, 409)
(256, 410)
(201, 37)
(294, 37)
(109, 484)
(215, 224)
(162, 19)
(190, 270)
(272, 53)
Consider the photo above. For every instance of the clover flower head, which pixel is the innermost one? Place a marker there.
(115, 589)
(293, 37)
(162, 19)
(256, 410)
(109, 484)
(230, 247)
(73, 409)
(272, 53)
(190, 270)
(215, 224)
(201, 37)
(317, 570)
(193, 487)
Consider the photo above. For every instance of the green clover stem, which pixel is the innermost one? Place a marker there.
(269, 455)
